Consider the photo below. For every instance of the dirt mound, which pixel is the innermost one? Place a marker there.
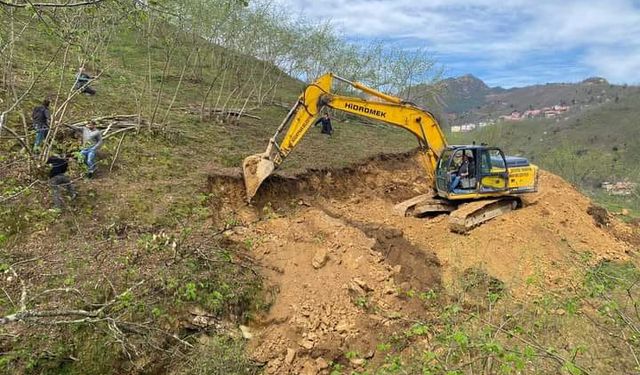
(343, 265)
(398, 176)
(538, 245)
(339, 289)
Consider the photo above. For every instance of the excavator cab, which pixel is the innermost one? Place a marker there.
(467, 172)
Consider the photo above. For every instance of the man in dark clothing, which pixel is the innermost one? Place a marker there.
(326, 124)
(82, 82)
(41, 120)
(463, 172)
(58, 179)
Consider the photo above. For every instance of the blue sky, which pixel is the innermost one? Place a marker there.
(506, 43)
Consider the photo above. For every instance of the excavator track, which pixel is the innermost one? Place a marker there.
(470, 215)
(422, 205)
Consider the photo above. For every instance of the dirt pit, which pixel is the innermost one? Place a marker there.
(342, 266)
(337, 292)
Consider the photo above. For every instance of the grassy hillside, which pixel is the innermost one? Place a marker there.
(144, 238)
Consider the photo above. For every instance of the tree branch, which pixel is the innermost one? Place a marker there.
(51, 5)
(4, 199)
(87, 315)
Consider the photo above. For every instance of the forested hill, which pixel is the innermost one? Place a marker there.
(467, 99)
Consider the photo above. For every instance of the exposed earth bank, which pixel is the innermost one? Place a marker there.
(345, 271)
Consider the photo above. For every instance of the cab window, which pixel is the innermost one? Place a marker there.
(444, 159)
(496, 158)
(490, 159)
(485, 162)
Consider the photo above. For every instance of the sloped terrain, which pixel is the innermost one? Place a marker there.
(344, 267)
(159, 263)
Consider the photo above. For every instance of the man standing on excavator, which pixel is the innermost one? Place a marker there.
(326, 124)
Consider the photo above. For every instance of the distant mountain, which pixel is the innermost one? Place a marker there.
(468, 99)
(464, 93)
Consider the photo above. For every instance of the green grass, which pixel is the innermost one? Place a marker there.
(120, 229)
(588, 328)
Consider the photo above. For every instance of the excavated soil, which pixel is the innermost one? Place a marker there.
(342, 265)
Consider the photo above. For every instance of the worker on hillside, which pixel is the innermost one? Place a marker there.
(91, 141)
(326, 124)
(59, 179)
(82, 82)
(41, 120)
(463, 172)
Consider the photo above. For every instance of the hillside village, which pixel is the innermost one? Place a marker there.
(546, 112)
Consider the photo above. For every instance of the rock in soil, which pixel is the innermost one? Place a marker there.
(245, 332)
(291, 355)
(320, 258)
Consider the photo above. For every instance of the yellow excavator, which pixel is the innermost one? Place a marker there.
(473, 183)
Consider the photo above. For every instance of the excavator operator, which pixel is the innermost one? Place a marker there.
(463, 172)
(463, 178)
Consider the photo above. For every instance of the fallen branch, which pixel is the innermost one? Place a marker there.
(24, 314)
(29, 314)
(117, 121)
(15, 135)
(4, 199)
(51, 5)
(119, 131)
(23, 286)
(59, 290)
(241, 114)
(281, 105)
(112, 117)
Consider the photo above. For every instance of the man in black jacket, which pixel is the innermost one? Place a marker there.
(326, 124)
(41, 121)
(58, 179)
(463, 172)
(82, 82)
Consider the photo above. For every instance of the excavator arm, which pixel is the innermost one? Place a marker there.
(318, 95)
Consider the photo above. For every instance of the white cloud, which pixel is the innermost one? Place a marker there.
(600, 34)
(616, 64)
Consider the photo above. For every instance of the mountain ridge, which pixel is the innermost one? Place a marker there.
(468, 99)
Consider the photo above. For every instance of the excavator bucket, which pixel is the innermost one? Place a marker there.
(256, 168)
